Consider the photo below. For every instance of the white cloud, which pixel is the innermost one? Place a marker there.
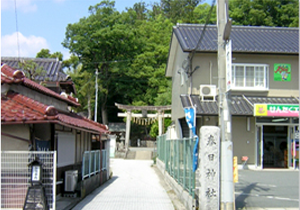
(29, 46)
(22, 5)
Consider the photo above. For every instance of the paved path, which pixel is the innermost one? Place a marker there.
(134, 186)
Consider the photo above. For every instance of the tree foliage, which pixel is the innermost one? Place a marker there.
(283, 13)
(45, 53)
(179, 10)
(31, 69)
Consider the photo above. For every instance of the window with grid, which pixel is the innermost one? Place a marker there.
(250, 76)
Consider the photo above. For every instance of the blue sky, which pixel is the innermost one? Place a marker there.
(42, 23)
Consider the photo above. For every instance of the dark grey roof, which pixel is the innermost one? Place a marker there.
(245, 39)
(51, 65)
(273, 100)
(239, 105)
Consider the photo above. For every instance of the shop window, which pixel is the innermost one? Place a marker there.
(250, 76)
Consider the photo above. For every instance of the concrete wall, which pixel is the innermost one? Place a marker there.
(177, 89)
(58, 104)
(243, 140)
(10, 143)
(270, 60)
(208, 72)
(90, 184)
(182, 194)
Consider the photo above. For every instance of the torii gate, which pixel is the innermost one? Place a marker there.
(128, 114)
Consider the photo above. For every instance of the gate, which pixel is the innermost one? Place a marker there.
(16, 175)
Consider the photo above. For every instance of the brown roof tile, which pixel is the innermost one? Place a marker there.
(10, 75)
(17, 108)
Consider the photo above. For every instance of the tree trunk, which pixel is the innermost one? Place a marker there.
(104, 115)
(89, 107)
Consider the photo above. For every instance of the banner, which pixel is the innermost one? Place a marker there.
(190, 116)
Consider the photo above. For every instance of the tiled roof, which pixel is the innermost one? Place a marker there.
(273, 100)
(245, 39)
(239, 105)
(17, 108)
(10, 75)
(51, 65)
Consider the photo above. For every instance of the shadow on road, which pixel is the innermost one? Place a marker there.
(92, 195)
(245, 192)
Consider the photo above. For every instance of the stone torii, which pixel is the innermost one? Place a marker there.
(128, 114)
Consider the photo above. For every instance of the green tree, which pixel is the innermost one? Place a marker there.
(45, 53)
(31, 69)
(104, 42)
(202, 11)
(282, 13)
(150, 64)
(85, 85)
(179, 10)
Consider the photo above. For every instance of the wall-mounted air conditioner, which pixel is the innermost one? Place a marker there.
(208, 92)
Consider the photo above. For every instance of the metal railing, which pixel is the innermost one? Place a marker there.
(16, 175)
(91, 162)
(177, 156)
(104, 160)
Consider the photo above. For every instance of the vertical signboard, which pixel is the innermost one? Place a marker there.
(190, 116)
(228, 65)
(209, 164)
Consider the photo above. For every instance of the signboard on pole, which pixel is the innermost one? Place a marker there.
(228, 65)
(190, 116)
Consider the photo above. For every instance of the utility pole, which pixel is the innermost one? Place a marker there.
(227, 192)
(96, 95)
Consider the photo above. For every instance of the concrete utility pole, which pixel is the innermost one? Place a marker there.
(227, 196)
(96, 95)
(128, 120)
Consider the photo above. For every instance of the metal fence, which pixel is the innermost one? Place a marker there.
(104, 160)
(177, 156)
(16, 175)
(91, 162)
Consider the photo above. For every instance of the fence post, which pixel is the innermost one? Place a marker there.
(184, 163)
(90, 159)
(178, 155)
(190, 166)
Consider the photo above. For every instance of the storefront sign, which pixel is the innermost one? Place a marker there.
(282, 72)
(276, 110)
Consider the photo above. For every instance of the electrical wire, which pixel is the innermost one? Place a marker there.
(203, 31)
(17, 29)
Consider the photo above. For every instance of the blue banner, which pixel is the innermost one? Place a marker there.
(190, 116)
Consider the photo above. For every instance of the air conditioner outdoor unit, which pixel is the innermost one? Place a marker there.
(71, 178)
(208, 92)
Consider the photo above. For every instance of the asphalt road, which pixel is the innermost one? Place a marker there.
(267, 189)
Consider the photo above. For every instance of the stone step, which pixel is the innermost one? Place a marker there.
(143, 155)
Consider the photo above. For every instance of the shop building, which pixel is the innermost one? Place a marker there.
(263, 93)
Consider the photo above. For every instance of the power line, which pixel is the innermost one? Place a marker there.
(17, 29)
(204, 29)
